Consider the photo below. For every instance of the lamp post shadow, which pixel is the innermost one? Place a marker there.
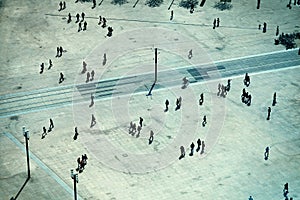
(26, 135)
(19, 192)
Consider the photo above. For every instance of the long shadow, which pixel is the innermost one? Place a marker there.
(14, 198)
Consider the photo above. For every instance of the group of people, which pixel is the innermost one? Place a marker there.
(246, 97)
(59, 51)
(296, 2)
(89, 75)
(43, 66)
(216, 23)
(222, 89)
(81, 163)
(45, 131)
(133, 129)
(62, 5)
(286, 191)
(200, 146)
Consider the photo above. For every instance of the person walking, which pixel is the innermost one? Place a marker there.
(192, 149)
(167, 105)
(61, 77)
(141, 122)
(269, 112)
(198, 145)
(274, 99)
(151, 137)
(93, 122)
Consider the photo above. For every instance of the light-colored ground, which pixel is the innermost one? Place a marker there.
(232, 167)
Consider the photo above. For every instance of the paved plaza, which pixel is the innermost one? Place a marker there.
(101, 86)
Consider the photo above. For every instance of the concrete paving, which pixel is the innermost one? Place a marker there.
(122, 165)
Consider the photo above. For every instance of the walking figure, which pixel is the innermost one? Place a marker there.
(214, 24)
(182, 152)
(60, 51)
(79, 27)
(151, 137)
(172, 14)
(92, 100)
(93, 122)
(267, 153)
(192, 149)
(60, 6)
(42, 68)
(61, 78)
(274, 99)
(77, 18)
(110, 30)
(204, 122)
(244, 95)
(198, 145)
(87, 77)
(257, 7)
(192, 8)
(190, 54)
(82, 16)
(57, 52)
(138, 131)
(269, 112)
(247, 80)
(219, 89)
(94, 4)
(84, 26)
(178, 103)
(100, 20)
(104, 22)
(201, 100)
(64, 5)
(51, 126)
(218, 22)
(84, 67)
(223, 91)
(44, 132)
(185, 83)
(83, 161)
(50, 64)
(227, 88)
(285, 189)
(167, 105)
(259, 26)
(92, 75)
(51, 123)
(76, 134)
(78, 164)
(104, 59)
(277, 31)
(69, 18)
(203, 145)
(249, 100)
(133, 129)
(141, 121)
(265, 27)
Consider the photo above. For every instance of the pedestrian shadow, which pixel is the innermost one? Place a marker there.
(14, 198)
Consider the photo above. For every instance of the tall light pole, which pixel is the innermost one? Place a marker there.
(26, 135)
(75, 178)
(155, 65)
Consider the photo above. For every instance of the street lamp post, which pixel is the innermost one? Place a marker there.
(75, 178)
(26, 135)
